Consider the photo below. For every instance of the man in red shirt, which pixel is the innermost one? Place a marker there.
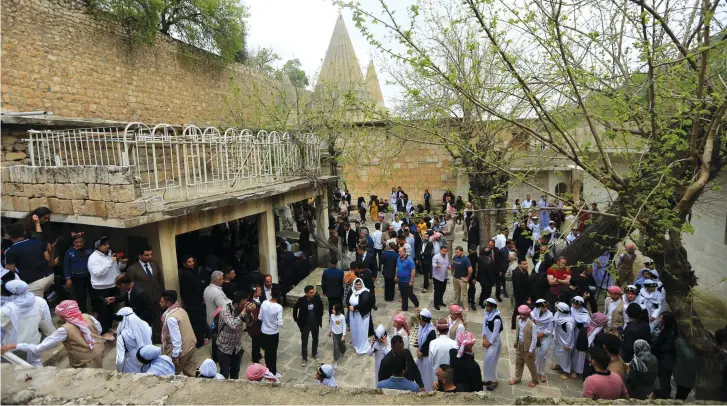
(558, 276)
(603, 384)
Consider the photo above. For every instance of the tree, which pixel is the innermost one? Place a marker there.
(631, 93)
(295, 73)
(261, 60)
(213, 25)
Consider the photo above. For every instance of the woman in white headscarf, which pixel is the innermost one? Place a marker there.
(543, 319)
(582, 319)
(359, 311)
(380, 347)
(132, 334)
(153, 362)
(324, 375)
(654, 300)
(426, 335)
(21, 317)
(563, 339)
(491, 328)
(208, 370)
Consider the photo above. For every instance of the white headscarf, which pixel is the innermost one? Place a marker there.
(160, 365)
(21, 303)
(378, 346)
(326, 370)
(489, 316)
(563, 314)
(580, 315)
(541, 315)
(208, 369)
(135, 331)
(426, 329)
(353, 301)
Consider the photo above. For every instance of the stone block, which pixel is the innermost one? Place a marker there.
(68, 174)
(38, 202)
(76, 191)
(42, 174)
(154, 204)
(4, 174)
(6, 203)
(92, 208)
(12, 189)
(120, 175)
(7, 141)
(102, 175)
(126, 210)
(21, 174)
(60, 206)
(15, 156)
(99, 192)
(44, 190)
(124, 193)
(89, 174)
(21, 203)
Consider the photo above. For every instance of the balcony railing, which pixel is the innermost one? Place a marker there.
(179, 166)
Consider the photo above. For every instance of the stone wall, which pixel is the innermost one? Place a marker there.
(13, 151)
(104, 192)
(59, 57)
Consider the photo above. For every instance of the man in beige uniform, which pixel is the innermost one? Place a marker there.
(525, 344)
(178, 339)
(79, 335)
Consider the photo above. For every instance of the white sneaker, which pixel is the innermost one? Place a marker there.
(335, 365)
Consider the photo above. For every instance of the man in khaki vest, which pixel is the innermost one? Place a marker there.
(178, 339)
(614, 307)
(525, 346)
(79, 334)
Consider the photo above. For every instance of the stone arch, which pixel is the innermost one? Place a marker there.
(577, 188)
(561, 189)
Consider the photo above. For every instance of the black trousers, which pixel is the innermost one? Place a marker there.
(230, 364)
(407, 292)
(486, 287)
(471, 291)
(389, 289)
(82, 291)
(270, 346)
(666, 367)
(198, 320)
(304, 331)
(682, 393)
(426, 272)
(332, 301)
(439, 289)
(500, 281)
(255, 355)
(105, 312)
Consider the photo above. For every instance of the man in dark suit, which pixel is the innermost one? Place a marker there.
(332, 285)
(486, 272)
(501, 262)
(367, 260)
(520, 287)
(308, 314)
(349, 239)
(134, 296)
(149, 275)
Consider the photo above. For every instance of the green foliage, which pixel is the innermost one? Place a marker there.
(213, 25)
(292, 68)
(261, 60)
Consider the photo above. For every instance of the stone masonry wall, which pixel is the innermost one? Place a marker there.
(59, 57)
(105, 192)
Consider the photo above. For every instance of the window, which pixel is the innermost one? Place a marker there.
(561, 189)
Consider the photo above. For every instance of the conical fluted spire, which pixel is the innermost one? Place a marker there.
(341, 69)
(373, 87)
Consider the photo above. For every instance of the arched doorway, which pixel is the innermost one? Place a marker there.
(561, 189)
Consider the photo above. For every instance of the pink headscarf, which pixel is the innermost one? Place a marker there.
(68, 310)
(401, 320)
(442, 325)
(256, 372)
(597, 320)
(454, 309)
(524, 310)
(465, 342)
(615, 289)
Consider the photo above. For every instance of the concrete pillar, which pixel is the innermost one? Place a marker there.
(162, 238)
(322, 211)
(266, 242)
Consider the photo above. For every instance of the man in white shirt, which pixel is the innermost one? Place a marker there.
(271, 315)
(439, 347)
(104, 266)
(178, 339)
(378, 244)
(527, 203)
(213, 295)
(267, 287)
(440, 268)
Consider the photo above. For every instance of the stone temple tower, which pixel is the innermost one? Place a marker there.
(341, 73)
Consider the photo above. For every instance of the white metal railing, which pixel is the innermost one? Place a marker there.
(178, 166)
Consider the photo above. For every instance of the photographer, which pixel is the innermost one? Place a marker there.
(229, 334)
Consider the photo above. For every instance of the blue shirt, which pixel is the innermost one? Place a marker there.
(399, 383)
(404, 268)
(460, 265)
(75, 262)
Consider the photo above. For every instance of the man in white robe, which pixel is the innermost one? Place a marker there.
(132, 334)
(631, 295)
(424, 339)
(491, 328)
(439, 348)
(654, 300)
(563, 339)
(23, 316)
(543, 319)
(379, 347)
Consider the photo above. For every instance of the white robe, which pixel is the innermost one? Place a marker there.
(578, 358)
(379, 351)
(404, 336)
(439, 352)
(492, 354)
(654, 303)
(424, 364)
(639, 300)
(133, 333)
(544, 325)
(33, 316)
(562, 339)
(359, 328)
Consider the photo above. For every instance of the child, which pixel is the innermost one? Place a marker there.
(380, 347)
(324, 375)
(401, 328)
(337, 326)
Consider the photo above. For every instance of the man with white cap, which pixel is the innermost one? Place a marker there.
(543, 319)
(563, 340)
(631, 295)
(132, 334)
(424, 339)
(491, 329)
(208, 370)
(23, 316)
(380, 346)
(439, 348)
(153, 362)
(582, 319)
(525, 345)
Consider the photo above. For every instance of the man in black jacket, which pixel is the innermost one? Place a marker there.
(486, 271)
(134, 296)
(388, 271)
(502, 260)
(425, 252)
(520, 287)
(332, 285)
(192, 282)
(308, 314)
(386, 369)
(367, 260)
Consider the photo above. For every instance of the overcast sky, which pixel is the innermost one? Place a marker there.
(302, 29)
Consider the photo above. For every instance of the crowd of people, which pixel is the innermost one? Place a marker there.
(619, 351)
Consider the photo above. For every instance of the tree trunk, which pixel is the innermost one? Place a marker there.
(679, 279)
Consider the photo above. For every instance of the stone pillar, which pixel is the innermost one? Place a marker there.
(266, 241)
(322, 211)
(162, 239)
